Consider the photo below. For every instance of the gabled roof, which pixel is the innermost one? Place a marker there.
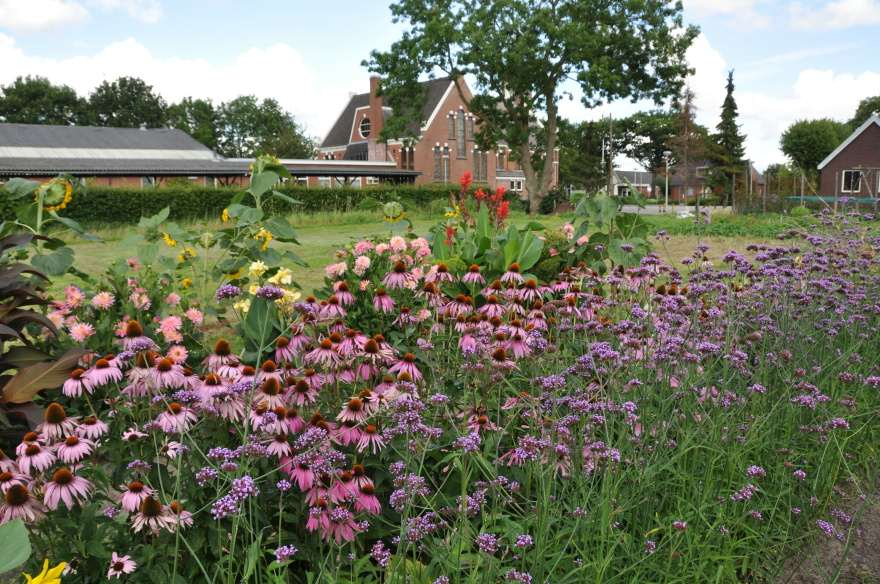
(636, 177)
(868, 123)
(45, 136)
(340, 132)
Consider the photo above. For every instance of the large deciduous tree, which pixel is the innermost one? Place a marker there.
(250, 127)
(127, 102)
(36, 100)
(196, 117)
(689, 144)
(868, 107)
(649, 134)
(580, 153)
(808, 142)
(521, 53)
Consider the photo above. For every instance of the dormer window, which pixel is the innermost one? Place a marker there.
(364, 128)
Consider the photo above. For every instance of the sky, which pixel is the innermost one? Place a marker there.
(793, 59)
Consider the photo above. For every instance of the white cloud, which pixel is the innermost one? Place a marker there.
(278, 71)
(34, 15)
(835, 14)
(149, 11)
(739, 10)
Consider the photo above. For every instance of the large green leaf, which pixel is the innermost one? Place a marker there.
(55, 263)
(511, 247)
(246, 215)
(262, 182)
(75, 227)
(259, 322)
(530, 251)
(156, 220)
(483, 228)
(16, 188)
(281, 229)
(39, 376)
(16, 547)
(285, 198)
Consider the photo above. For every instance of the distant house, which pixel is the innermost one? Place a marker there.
(699, 182)
(123, 157)
(443, 150)
(642, 181)
(853, 169)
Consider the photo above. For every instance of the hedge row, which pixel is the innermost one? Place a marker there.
(123, 205)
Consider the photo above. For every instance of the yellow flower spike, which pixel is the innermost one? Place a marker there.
(47, 576)
(224, 216)
(169, 241)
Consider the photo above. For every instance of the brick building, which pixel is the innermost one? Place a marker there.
(444, 149)
(853, 168)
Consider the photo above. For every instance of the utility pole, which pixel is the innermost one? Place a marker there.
(610, 156)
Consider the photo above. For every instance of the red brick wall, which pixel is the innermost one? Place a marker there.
(862, 153)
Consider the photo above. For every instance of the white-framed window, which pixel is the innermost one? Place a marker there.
(372, 180)
(516, 186)
(851, 181)
(364, 128)
(148, 182)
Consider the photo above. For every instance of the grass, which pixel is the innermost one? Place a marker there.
(321, 235)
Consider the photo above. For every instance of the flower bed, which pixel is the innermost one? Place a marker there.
(439, 421)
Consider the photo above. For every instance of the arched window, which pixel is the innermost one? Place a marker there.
(460, 135)
(364, 128)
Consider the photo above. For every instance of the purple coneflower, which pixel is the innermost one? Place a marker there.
(75, 384)
(101, 374)
(371, 438)
(56, 424)
(153, 515)
(134, 494)
(8, 478)
(35, 458)
(134, 339)
(284, 353)
(177, 418)
(382, 302)
(74, 449)
(167, 374)
(221, 356)
(120, 566)
(65, 487)
(324, 354)
(398, 277)
(19, 503)
(512, 275)
(473, 276)
(407, 365)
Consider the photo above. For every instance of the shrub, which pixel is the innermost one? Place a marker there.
(127, 205)
(800, 212)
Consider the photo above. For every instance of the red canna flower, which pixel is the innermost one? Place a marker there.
(466, 180)
(450, 233)
(480, 194)
(503, 210)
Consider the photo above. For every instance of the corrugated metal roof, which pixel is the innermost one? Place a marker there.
(118, 167)
(47, 136)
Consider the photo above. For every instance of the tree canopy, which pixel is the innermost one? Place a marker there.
(522, 53)
(36, 100)
(127, 102)
(808, 142)
(242, 127)
(867, 107)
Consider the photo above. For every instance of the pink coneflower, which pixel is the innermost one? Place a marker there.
(268, 370)
(303, 475)
(302, 393)
(221, 356)
(407, 365)
(353, 411)
(65, 487)
(343, 294)
(382, 302)
(530, 291)
(324, 354)
(120, 566)
(178, 354)
(439, 273)
(9, 478)
(284, 353)
(353, 342)
(91, 428)
(177, 418)
(19, 503)
(134, 338)
(479, 422)
(56, 424)
(331, 308)
(101, 374)
(298, 338)
(233, 369)
(270, 394)
(512, 274)
(366, 500)
(347, 433)
(6, 463)
(517, 346)
(75, 384)
(500, 359)
(80, 331)
(134, 494)
(371, 438)
(461, 305)
(153, 515)
(473, 276)
(74, 449)
(180, 516)
(279, 447)
(133, 435)
(103, 300)
(167, 375)
(492, 308)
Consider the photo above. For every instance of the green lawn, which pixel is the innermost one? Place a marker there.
(322, 235)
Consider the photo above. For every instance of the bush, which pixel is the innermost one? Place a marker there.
(800, 212)
(127, 205)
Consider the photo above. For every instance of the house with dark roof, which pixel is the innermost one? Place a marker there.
(129, 157)
(853, 168)
(444, 148)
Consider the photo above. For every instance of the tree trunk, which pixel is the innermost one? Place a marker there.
(537, 185)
